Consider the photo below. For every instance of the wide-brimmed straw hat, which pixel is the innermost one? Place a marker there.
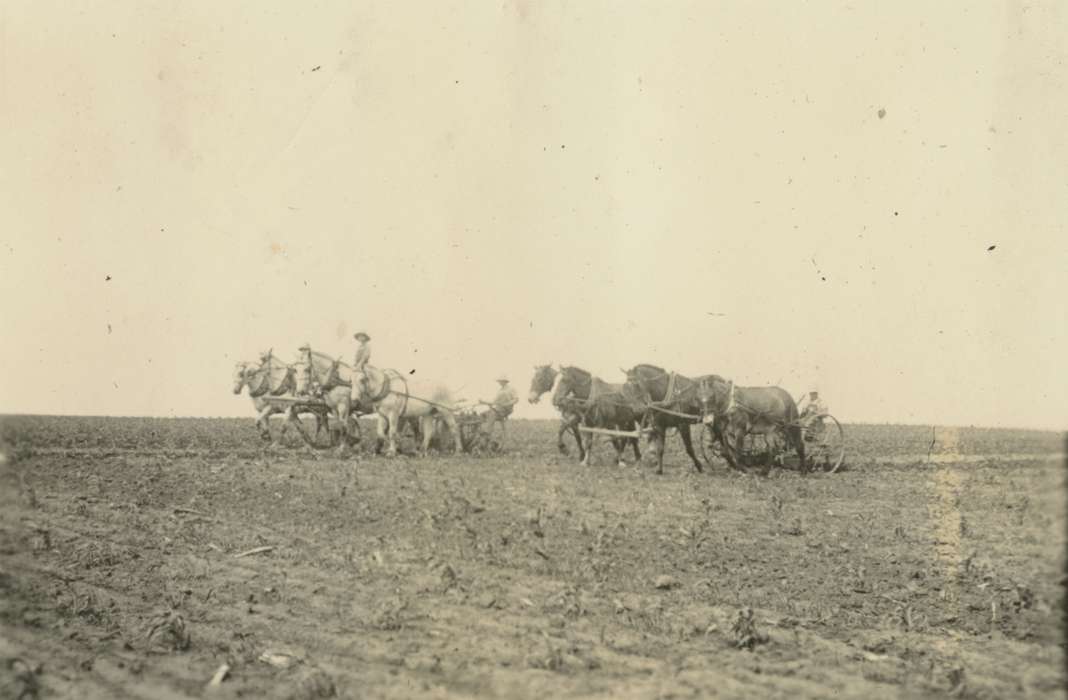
(502, 378)
(361, 336)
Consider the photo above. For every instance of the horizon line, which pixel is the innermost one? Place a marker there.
(3, 415)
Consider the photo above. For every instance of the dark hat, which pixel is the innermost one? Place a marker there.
(306, 346)
(361, 336)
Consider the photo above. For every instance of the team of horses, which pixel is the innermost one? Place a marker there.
(653, 400)
(650, 402)
(323, 387)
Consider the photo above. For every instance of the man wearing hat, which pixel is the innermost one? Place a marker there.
(811, 407)
(359, 365)
(501, 406)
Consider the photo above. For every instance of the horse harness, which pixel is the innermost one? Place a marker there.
(389, 376)
(670, 399)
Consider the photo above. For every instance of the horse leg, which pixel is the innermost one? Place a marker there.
(798, 437)
(590, 437)
(619, 444)
(564, 427)
(293, 417)
(278, 442)
(659, 439)
(450, 420)
(426, 426)
(687, 441)
(719, 436)
(380, 437)
(322, 421)
(737, 430)
(393, 428)
(264, 424)
(575, 422)
(342, 408)
(300, 429)
(353, 434)
(721, 433)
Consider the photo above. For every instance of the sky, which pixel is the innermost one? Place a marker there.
(865, 198)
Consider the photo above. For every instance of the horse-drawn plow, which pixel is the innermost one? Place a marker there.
(476, 436)
(293, 406)
(752, 427)
(824, 446)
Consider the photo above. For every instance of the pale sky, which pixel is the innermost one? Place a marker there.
(485, 186)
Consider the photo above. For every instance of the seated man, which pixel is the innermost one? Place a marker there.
(811, 407)
(501, 407)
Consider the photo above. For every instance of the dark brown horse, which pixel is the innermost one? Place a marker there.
(543, 380)
(751, 410)
(670, 401)
(600, 405)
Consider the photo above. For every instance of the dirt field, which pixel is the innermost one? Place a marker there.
(524, 575)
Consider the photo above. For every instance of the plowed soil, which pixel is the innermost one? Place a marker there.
(920, 570)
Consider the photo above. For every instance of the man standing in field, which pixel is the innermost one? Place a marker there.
(306, 384)
(359, 366)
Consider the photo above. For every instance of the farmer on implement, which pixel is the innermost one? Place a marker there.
(359, 366)
(811, 407)
(501, 406)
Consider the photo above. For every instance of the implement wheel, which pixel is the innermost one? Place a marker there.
(824, 443)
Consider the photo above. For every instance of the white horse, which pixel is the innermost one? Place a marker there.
(334, 381)
(274, 378)
(396, 397)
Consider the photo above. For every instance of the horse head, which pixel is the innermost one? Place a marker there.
(541, 382)
(333, 375)
(713, 394)
(580, 380)
(634, 390)
(241, 370)
(572, 382)
(561, 387)
(645, 378)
